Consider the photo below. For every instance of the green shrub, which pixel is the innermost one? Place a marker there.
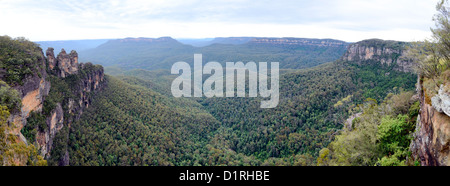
(36, 122)
(18, 58)
(9, 97)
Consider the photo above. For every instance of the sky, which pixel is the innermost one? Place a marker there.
(347, 20)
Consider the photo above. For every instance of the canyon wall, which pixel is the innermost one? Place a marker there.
(379, 51)
(431, 140)
(83, 80)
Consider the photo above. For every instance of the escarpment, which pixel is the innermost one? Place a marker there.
(83, 80)
(33, 90)
(431, 140)
(299, 41)
(388, 53)
(59, 90)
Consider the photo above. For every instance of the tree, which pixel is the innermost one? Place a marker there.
(324, 157)
(441, 34)
(432, 56)
(9, 96)
(391, 135)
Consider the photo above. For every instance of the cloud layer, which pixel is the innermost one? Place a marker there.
(349, 20)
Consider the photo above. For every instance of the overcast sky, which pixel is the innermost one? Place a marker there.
(348, 20)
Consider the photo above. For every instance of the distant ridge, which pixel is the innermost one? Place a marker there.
(145, 39)
(141, 41)
(218, 40)
(232, 40)
(161, 53)
(299, 41)
(264, 40)
(70, 45)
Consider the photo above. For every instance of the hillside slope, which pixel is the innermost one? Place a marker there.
(314, 104)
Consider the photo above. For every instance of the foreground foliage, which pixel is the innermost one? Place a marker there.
(379, 136)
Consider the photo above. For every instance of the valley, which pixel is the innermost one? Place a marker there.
(123, 112)
(239, 132)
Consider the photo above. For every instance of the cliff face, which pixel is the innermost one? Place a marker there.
(379, 51)
(431, 142)
(83, 80)
(89, 78)
(67, 63)
(299, 41)
(50, 58)
(33, 91)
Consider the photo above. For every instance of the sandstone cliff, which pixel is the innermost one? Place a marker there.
(299, 41)
(67, 63)
(431, 143)
(83, 79)
(379, 51)
(33, 91)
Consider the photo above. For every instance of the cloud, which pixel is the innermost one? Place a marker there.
(350, 20)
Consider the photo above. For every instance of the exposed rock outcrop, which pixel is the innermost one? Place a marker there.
(50, 58)
(55, 123)
(441, 102)
(431, 140)
(90, 79)
(93, 81)
(33, 91)
(299, 41)
(349, 122)
(379, 51)
(35, 88)
(64, 64)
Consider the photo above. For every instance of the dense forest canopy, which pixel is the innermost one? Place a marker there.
(225, 131)
(331, 111)
(135, 120)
